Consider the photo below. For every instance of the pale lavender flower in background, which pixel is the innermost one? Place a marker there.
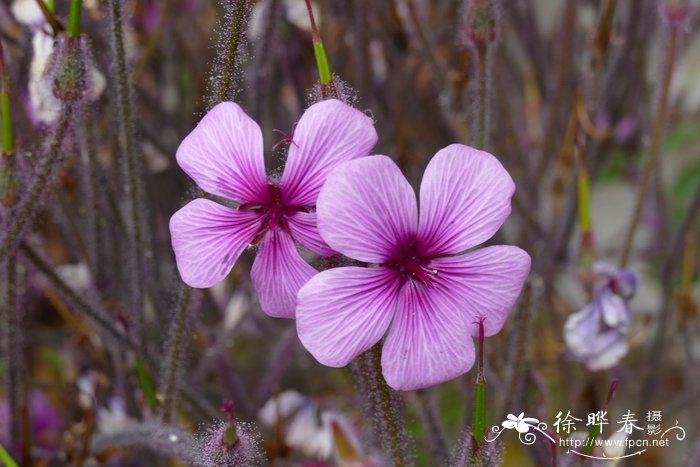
(45, 106)
(314, 431)
(28, 13)
(597, 335)
(224, 155)
(45, 422)
(424, 291)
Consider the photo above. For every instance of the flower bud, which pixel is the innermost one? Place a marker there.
(675, 12)
(68, 70)
(481, 22)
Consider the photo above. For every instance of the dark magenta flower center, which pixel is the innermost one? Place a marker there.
(275, 210)
(412, 266)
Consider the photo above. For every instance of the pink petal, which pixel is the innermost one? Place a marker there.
(304, 229)
(464, 199)
(328, 134)
(429, 340)
(342, 312)
(486, 282)
(224, 155)
(278, 273)
(208, 238)
(367, 210)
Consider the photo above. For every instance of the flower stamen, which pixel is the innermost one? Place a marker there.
(288, 138)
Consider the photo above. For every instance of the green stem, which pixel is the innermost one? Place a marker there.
(175, 354)
(6, 458)
(26, 211)
(8, 139)
(76, 7)
(324, 69)
(479, 425)
(234, 39)
(654, 146)
(386, 407)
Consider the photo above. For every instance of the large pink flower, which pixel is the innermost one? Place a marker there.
(422, 290)
(224, 155)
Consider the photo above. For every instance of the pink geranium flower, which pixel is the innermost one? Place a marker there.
(422, 289)
(224, 155)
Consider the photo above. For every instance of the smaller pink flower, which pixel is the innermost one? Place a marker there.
(423, 287)
(224, 155)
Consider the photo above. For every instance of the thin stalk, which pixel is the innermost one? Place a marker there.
(99, 318)
(74, 18)
(427, 44)
(95, 221)
(482, 54)
(126, 128)
(479, 425)
(654, 145)
(517, 362)
(280, 360)
(559, 99)
(674, 254)
(173, 368)
(153, 41)
(6, 458)
(8, 140)
(324, 69)
(11, 351)
(234, 39)
(386, 408)
(437, 444)
(47, 10)
(26, 211)
(74, 231)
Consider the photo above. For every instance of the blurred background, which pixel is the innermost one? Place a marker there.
(592, 106)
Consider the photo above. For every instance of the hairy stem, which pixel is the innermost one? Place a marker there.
(234, 40)
(387, 409)
(27, 209)
(177, 335)
(127, 136)
(11, 351)
(654, 145)
(482, 92)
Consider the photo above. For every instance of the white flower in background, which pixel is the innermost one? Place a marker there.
(77, 275)
(295, 13)
(28, 13)
(597, 335)
(45, 105)
(114, 419)
(311, 430)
